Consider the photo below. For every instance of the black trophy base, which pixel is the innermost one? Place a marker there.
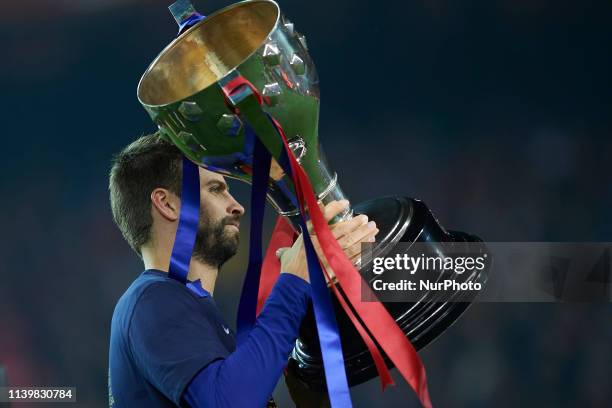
(399, 219)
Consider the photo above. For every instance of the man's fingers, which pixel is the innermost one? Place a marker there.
(346, 227)
(334, 208)
(330, 210)
(363, 232)
(354, 251)
(280, 252)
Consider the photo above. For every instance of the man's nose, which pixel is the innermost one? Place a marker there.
(235, 208)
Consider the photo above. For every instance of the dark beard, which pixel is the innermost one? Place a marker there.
(214, 244)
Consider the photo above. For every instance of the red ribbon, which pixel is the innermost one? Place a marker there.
(283, 236)
(376, 318)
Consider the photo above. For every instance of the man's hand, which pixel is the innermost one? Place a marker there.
(349, 234)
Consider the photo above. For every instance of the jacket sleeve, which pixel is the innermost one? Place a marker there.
(247, 377)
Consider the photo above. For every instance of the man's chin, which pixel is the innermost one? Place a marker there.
(231, 241)
(231, 231)
(233, 228)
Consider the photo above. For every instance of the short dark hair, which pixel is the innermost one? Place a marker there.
(148, 163)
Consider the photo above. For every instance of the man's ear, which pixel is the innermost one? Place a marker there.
(166, 203)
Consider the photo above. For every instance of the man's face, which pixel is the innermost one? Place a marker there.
(220, 213)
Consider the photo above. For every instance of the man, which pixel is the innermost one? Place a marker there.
(169, 345)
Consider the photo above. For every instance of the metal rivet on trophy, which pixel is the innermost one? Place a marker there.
(153, 113)
(163, 133)
(190, 111)
(273, 92)
(190, 141)
(298, 147)
(271, 54)
(297, 64)
(290, 27)
(302, 39)
(229, 125)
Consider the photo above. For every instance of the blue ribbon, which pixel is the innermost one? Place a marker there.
(325, 318)
(250, 289)
(327, 327)
(190, 204)
(189, 22)
(188, 223)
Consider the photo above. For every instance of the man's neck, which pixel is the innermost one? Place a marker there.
(207, 274)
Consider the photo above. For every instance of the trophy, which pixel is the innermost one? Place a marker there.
(182, 92)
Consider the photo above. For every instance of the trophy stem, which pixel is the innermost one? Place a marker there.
(323, 179)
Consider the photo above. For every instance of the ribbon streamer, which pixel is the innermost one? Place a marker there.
(380, 323)
(293, 168)
(283, 236)
(188, 223)
(250, 288)
(331, 346)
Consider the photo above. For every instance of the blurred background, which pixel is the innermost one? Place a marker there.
(497, 114)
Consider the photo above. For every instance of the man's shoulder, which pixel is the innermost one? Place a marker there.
(149, 282)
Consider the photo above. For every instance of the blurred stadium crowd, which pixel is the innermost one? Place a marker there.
(495, 113)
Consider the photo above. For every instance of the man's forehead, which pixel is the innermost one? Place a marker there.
(208, 176)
